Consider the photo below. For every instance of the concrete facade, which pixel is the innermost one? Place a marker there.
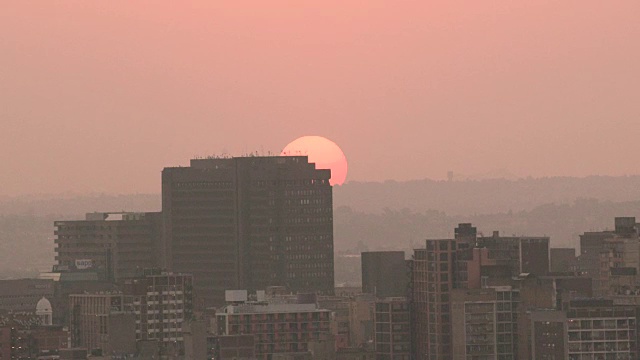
(115, 245)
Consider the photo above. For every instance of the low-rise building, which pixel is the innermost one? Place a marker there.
(102, 322)
(588, 329)
(240, 347)
(277, 327)
(24, 294)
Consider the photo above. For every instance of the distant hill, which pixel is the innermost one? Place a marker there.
(469, 197)
(75, 206)
(405, 229)
(483, 196)
(357, 231)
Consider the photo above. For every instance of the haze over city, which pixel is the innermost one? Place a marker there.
(100, 96)
(334, 180)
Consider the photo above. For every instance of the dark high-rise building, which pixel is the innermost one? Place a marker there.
(563, 259)
(431, 283)
(384, 273)
(115, 245)
(600, 251)
(249, 223)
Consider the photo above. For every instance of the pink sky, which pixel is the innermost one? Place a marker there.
(99, 96)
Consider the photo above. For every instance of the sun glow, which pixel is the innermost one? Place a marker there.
(323, 152)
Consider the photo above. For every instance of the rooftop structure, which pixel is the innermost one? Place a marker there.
(44, 311)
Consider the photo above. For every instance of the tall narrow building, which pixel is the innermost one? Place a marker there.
(249, 223)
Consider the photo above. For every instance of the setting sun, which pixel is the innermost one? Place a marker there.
(323, 152)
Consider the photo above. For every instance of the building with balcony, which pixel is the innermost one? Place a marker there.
(588, 329)
(278, 328)
(392, 329)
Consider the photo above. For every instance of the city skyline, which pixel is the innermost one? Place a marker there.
(330, 180)
(522, 88)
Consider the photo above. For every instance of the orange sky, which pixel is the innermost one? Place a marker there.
(99, 96)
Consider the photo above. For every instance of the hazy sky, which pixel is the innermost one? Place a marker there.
(99, 96)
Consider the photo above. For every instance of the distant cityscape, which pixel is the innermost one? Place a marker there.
(239, 264)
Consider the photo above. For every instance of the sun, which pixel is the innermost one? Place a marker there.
(323, 152)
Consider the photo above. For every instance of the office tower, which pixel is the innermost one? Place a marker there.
(601, 251)
(277, 327)
(249, 223)
(431, 285)
(547, 335)
(484, 323)
(115, 245)
(162, 303)
(392, 329)
(102, 322)
(384, 273)
(474, 323)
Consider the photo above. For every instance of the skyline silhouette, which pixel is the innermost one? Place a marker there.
(99, 97)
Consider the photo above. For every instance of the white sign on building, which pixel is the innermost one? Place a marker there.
(82, 264)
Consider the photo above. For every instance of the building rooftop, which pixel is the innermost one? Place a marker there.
(261, 308)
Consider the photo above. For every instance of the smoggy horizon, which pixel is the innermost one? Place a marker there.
(99, 97)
